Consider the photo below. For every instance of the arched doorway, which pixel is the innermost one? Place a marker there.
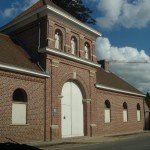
(71, 111)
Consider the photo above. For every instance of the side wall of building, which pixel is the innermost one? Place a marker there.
(34, 87)
(117, 125)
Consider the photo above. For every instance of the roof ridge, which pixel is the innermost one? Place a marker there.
(2, 34)
(125, 81)
(39, 4)
(112, 80)
(32, 8)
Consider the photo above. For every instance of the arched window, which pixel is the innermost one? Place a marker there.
(73, 45)
(19, 108)
(125, 112)
(107, 111)
(58, 39)
(87, 50)
(138, 112)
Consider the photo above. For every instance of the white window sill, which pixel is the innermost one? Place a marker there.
(19, 124)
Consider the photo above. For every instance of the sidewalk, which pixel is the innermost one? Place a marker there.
(87, 140)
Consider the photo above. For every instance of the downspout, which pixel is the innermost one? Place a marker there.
(39, 32)
(51, 102)
(39, 45)
(51, 83)
(39, 41)
(144, 112)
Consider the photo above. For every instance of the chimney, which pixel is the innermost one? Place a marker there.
(104, 64)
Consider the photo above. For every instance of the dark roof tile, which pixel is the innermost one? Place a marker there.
(111, 80)
(12, 54)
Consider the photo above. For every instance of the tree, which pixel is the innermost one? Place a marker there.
(77, 9)
(147, 99)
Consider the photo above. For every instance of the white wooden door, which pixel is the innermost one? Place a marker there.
(71, 111)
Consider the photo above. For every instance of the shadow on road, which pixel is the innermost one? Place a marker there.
(16, 146)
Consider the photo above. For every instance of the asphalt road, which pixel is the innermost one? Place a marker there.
(138, 142)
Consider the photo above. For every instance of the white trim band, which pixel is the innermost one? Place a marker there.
(61, 13)
(65, 55)
(147, 110)
(117, 90)
(25, 71)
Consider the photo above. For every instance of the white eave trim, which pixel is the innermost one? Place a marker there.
(24, 71)
(147, 110)
(55, 11)
(65, 55)
(117, 90)
(73, 20)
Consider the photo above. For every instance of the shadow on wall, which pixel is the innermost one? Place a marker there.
(147, 120)
(16, 146)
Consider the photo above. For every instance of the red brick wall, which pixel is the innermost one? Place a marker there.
(117, 125)
(34, 87)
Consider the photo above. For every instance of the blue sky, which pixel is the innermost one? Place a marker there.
(125, 26)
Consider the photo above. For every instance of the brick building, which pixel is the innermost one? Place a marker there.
(51, 84)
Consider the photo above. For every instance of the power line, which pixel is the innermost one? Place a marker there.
(123, 61)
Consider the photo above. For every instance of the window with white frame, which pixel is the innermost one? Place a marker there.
(107, 116)
(138, 112)
(125, 112)
(19, 107)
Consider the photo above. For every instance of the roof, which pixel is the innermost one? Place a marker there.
(51, 6)
(13, 54)
(112, 81)
(34, 7)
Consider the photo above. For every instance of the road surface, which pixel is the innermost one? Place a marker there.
(136, 142)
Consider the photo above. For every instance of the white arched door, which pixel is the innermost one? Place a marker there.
(71, 110)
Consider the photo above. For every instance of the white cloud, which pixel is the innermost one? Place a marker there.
(105, 50)
(135, 73)
(129, 14)
(9, 12)
(16, 8)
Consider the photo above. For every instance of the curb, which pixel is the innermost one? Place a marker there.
(86, 140)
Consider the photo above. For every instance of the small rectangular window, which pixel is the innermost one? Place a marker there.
(107, 115)
(138, 115)
(19, 113)
(125, 116)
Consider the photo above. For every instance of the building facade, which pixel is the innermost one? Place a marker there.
(51, 84)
